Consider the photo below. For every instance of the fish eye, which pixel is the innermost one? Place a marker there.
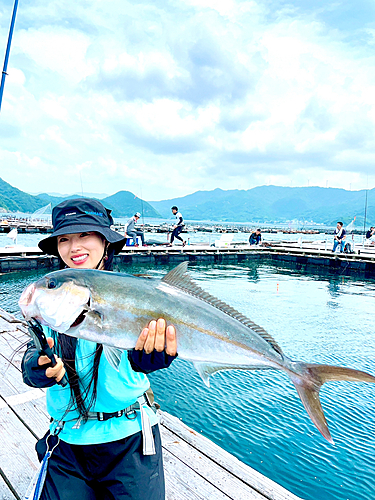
(51, 284)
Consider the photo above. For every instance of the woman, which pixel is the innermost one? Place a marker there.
(99, 452)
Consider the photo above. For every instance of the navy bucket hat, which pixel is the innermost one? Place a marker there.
(77, 216)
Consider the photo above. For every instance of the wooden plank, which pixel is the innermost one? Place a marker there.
(184, 484)
(9, 317)
(5, 493)
(206, 468)
(13, 347)
(27, 404)
(11, 324)
(268, 488)
(18, 459)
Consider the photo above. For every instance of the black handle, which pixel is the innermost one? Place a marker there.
(37, 333)
(47, 351)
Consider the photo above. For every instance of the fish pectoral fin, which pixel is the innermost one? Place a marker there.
(113, 355)
(95, 316)
(206, 369)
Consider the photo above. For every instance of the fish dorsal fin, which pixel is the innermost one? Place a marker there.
(179, 279)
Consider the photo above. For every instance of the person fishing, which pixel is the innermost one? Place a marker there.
(104, 433)
(255, 237)
(369, 234)
(339, 237)
(132, 232)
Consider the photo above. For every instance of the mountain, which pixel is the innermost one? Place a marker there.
(125, 203)
(12, 199)
(98, 196)
(261, 204)
(274, 204)
(122, 204)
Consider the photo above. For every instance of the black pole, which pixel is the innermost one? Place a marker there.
(143, 219)
(5, 67)
(364, 221)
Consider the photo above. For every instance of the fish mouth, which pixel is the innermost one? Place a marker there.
(26, 301)
(82, 316)
(79, 319)
(87, 309)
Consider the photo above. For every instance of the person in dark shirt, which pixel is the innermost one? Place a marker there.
(255, 238)
(370, 233)
(339, 237)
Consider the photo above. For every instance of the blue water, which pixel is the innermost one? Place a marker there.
(257, 415)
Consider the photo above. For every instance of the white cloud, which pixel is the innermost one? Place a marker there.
(181, 96)
(54, 106)
(58, 50)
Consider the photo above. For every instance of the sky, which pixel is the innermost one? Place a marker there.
(166, 98)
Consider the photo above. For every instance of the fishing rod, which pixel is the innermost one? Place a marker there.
(143, 219)
(364, 220)
(7, 52)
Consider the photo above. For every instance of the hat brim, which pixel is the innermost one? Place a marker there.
(49, 245)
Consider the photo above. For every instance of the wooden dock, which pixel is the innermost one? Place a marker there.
(195, 468)
(314, 255)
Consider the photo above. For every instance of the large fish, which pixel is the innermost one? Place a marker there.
(112, 309)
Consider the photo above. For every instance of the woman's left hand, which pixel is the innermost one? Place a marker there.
(155, 349)
(157, 336)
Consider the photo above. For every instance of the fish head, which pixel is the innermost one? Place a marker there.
(56, 300)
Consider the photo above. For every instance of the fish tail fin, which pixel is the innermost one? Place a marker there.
(309, 383)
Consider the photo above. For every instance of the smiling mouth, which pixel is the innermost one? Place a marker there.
(79, 259)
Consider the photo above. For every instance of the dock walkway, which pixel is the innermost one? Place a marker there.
(195, 467)
(313, 254)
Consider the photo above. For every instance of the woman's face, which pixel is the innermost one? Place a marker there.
(81, 250)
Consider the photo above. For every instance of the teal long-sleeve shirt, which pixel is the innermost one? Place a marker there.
(116, 390)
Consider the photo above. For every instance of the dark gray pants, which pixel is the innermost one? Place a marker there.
(108, 471)
(134, 234)
(175, 234)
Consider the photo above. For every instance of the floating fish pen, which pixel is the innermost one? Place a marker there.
(309, 256)
(195, 467)
(40, 225)
(27, 228)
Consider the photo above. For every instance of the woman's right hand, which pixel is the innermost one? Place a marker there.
(58, 371)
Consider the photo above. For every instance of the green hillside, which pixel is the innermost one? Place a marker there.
(261, 204)
(125, 204)
(122, 204)
(12, 199)
(274, 204)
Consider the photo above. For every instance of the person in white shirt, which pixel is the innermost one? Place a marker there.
(178, 227)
